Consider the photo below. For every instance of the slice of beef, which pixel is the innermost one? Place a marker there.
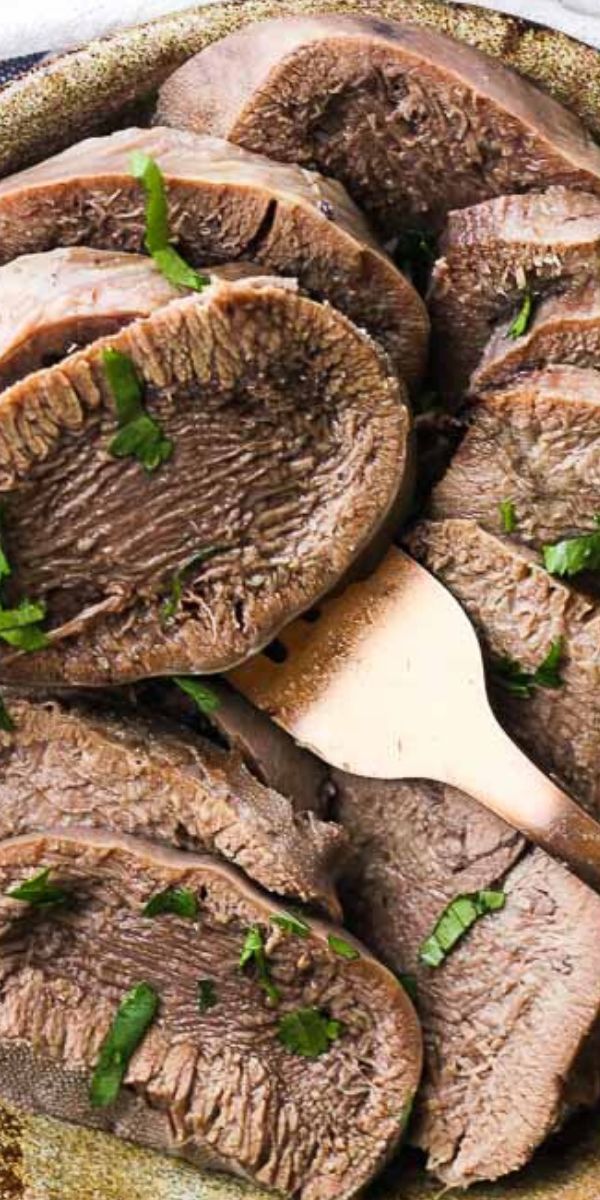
(548, 242)
(511, 1018)
(564, 329)
(67, 764)
(224, 204)
(520, 610)
(535, 442)
(217, 1081)
(289, 434)
(412, 122)
(61, 300)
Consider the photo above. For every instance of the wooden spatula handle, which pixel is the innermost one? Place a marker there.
(498, 774)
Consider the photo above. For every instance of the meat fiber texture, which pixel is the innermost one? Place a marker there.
(207, 1082)
(225, 204)
(276, 497)
(412, 122)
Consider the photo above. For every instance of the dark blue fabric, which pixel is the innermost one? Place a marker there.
(13, 67)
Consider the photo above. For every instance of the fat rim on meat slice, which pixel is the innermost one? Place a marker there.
(225, 204)
(412, 122)
(308, 1127)
(289, 495)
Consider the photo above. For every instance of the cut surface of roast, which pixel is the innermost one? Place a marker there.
(536, 443)
(520, 611)
(564, 329)
(55, 302)
(224, 204)
(211, 1082)
(413, 123)
(492, 254)
(289, 434)
(66, 764)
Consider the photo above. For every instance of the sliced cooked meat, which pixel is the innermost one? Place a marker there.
(511, 1017)
(220, 1079)
(564, 329)
(491, 255)
(536, 443)
(65, 764)
(413, 123)
(520, 611)
(224, 204)
(289, 437)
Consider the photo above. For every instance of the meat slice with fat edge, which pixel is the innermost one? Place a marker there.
(67, 763)
(412, 122)
(224, 204)
(510, 1020)
(535, 443)
(214, 1081)
(520, 611)
(289, 433)
(491, 255)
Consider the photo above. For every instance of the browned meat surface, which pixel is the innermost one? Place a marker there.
(412, 122)
(537, 443)
(224, 204)
(219, 1081)
(545, 242)
(64, 764)
(519, 610)
(563, 329)
(289, 439)
(54, 302)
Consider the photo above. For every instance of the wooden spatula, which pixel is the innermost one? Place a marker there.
(389, 682)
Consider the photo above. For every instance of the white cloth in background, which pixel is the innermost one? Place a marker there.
(27, 26)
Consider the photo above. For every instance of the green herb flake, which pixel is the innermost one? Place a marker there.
(520, 325)
(19, 627)
(139, 436)
(171, 604)
(409, 983)
(290, 924)
(573, 555)
(180, 901)
(459, 916)
(207, 995)
(253, 952)
(511, 676)
(6, 721)
(308, 1032)
(132, 1019)
(508, 516)
(203, 697)
(157, 235)
(342, 948)
(39, 891)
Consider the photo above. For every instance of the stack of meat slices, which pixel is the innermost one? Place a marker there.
(207, 359)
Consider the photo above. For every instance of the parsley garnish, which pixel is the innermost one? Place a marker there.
(514, 678)
(308, 1032)
(205, 699)
(169, 262)
(253, 951)
(573, 555)
(508, 516)
(455, 921)
(19, 627)
(139, 436)
(290, 924)
(409, 983)
(207, 996)
(171, 605)
(135, 1013)
(39, 891)
(341, 947)
(180, 901)
(520, 324)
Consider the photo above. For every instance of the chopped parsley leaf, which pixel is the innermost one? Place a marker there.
(203, 697)
(308, 1032)
(290, 924)
(253, 951)
(39, 891)
(511, 676)
(573, 555)
(508, 516)
(342, 948)
(455, 921)
(409, 983)
(134, 1015)
(207, 995)
(173, 601)
(180, 901)
(139, 436)
(520, 324)
(157, 235)
(19, 627)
